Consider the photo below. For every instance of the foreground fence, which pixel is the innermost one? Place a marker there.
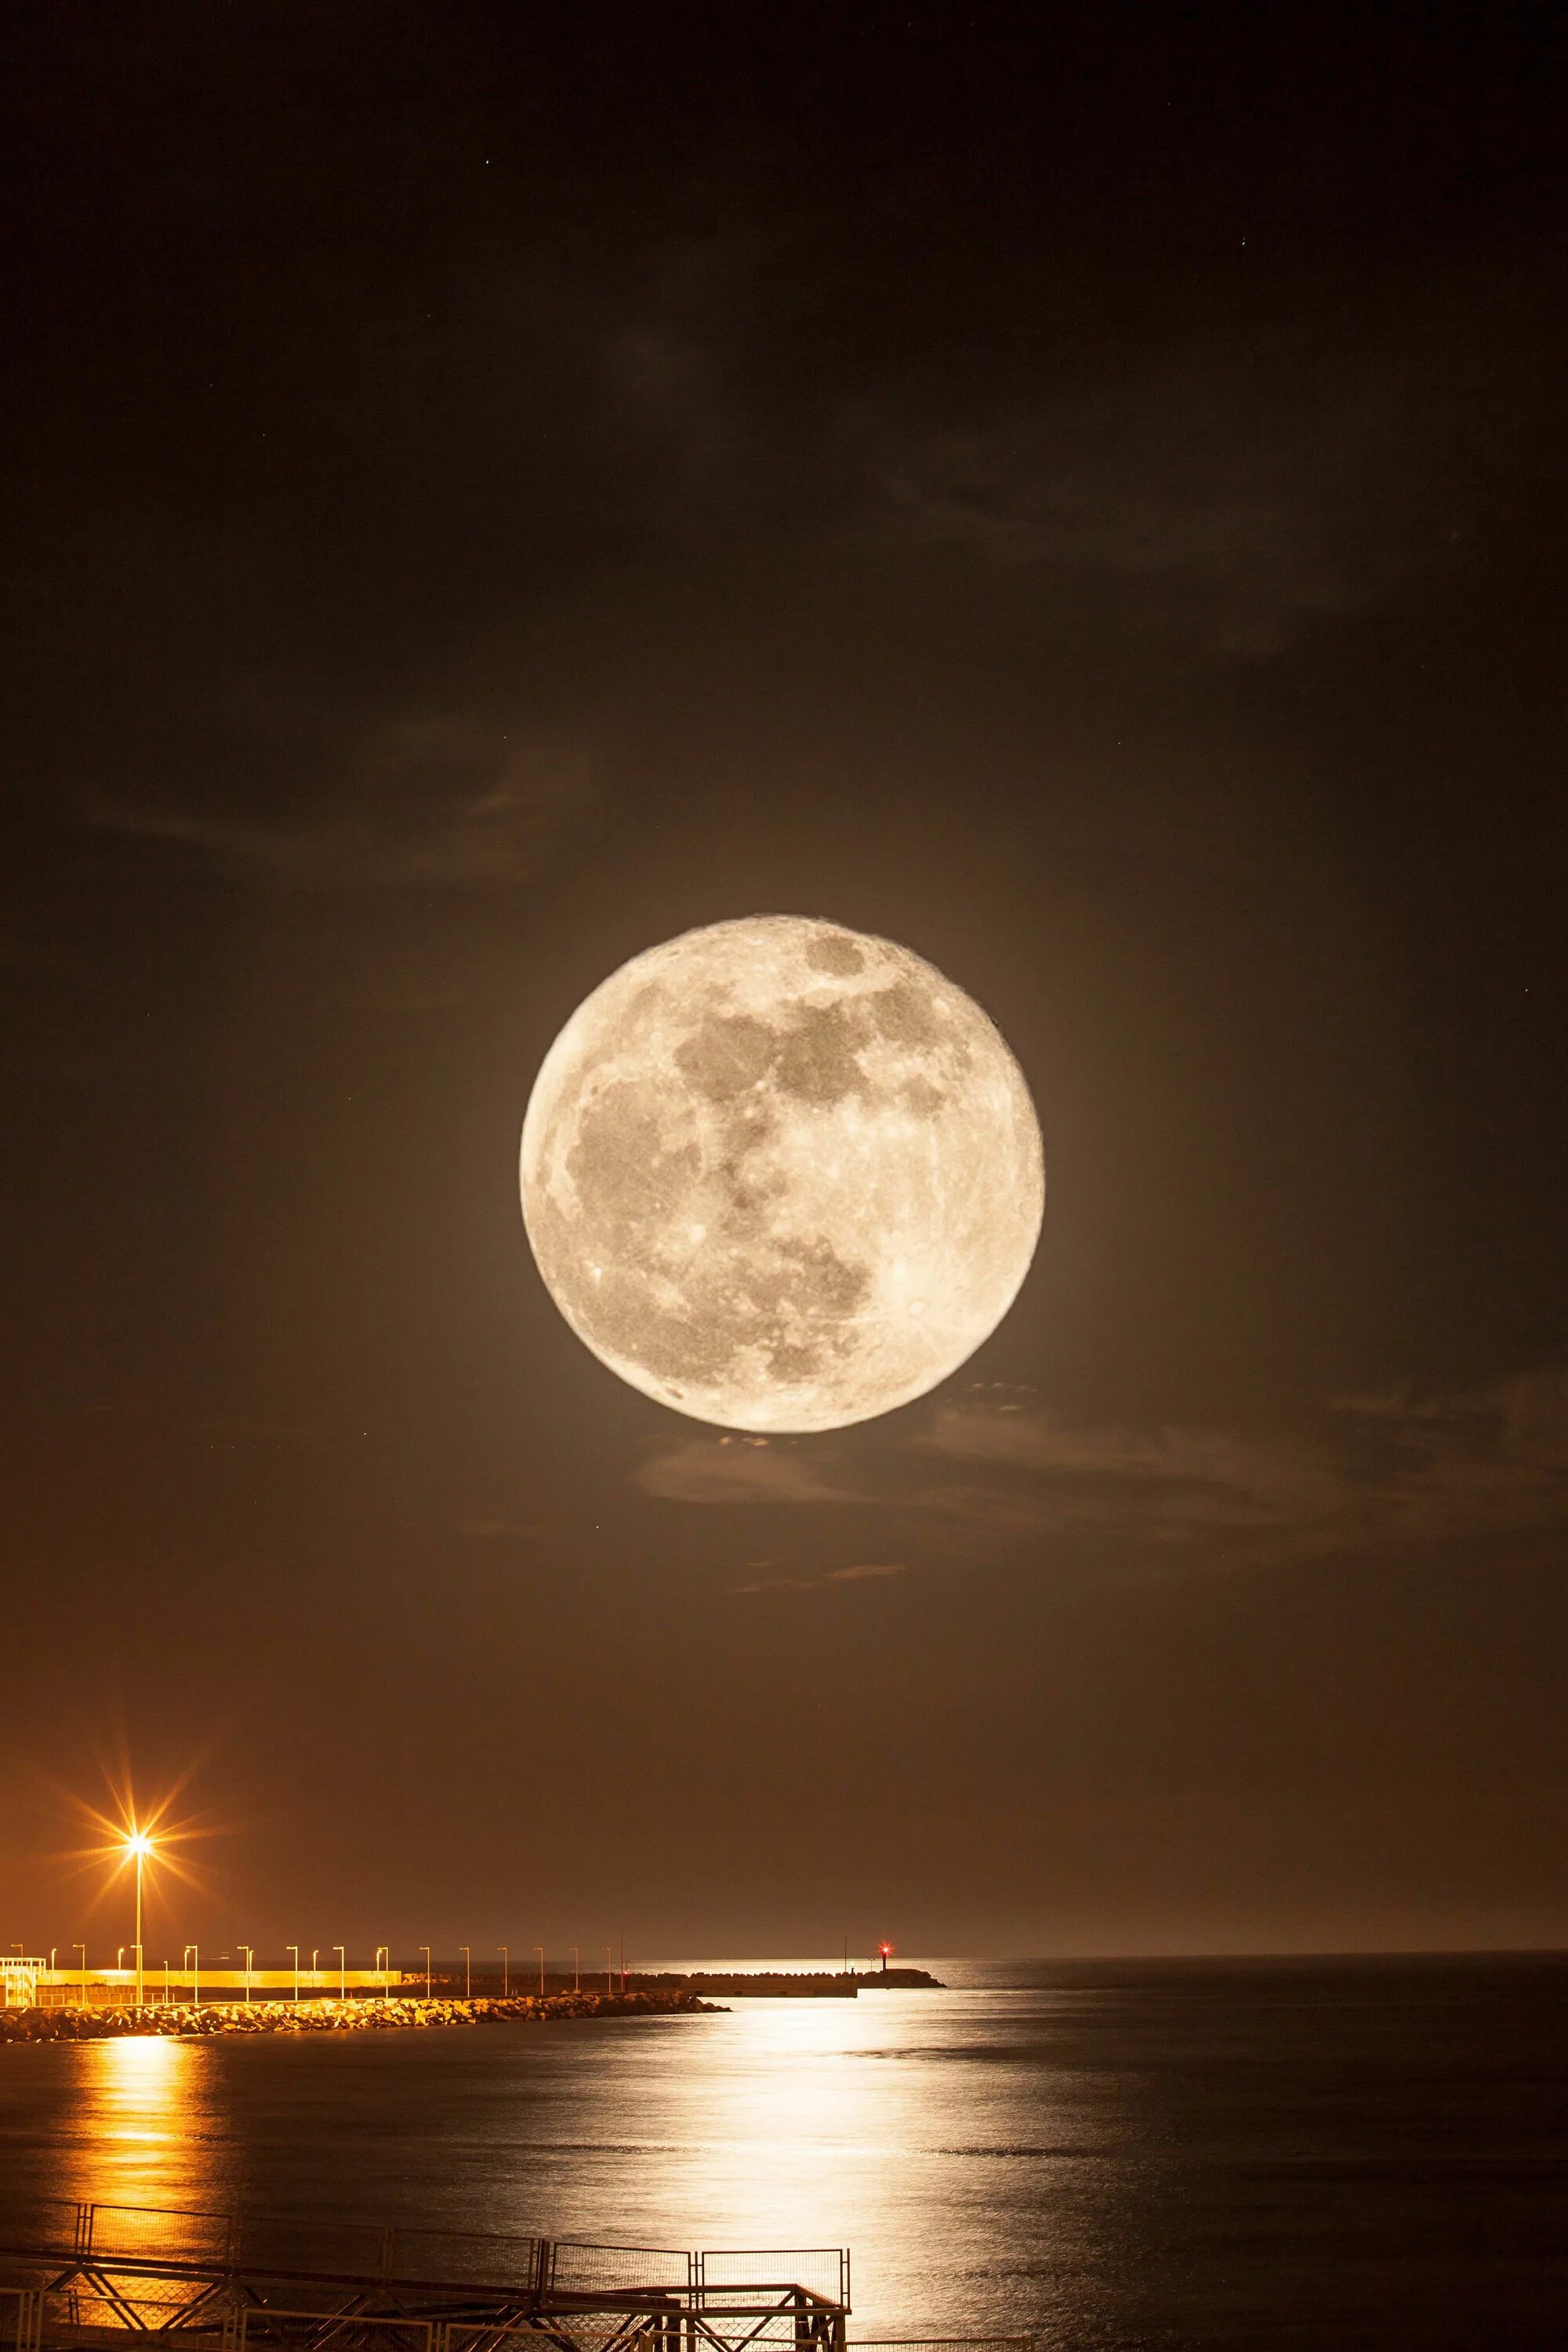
(105, 2234)
(21, 2318)
(80, 2277)
(679, 2330)
(75, 2274)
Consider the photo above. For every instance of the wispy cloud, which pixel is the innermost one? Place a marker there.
(1233, 496)
(985, 1471)
(740, 1470)
(1394, 1470)
(764, 1581)
(428, 802)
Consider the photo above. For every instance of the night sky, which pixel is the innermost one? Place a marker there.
(1080, 493)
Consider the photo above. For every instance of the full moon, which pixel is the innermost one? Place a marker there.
(781, 1175)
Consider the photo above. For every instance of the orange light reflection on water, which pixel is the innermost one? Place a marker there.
(144, 2131)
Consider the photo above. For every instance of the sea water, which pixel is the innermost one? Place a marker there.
(1162, 2154)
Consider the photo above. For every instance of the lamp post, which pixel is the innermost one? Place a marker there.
(82, 1987)
(426, 1950)
(468, 1971)
(576, 1972)
(138, 1846)
(192, 1954)
(505, 1972)
(540, 1949)
(384, 1966)
(343, 1973)
(249, 1963)
(295, 1949)
(609, 1957)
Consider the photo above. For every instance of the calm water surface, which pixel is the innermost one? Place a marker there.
(1160, 2153)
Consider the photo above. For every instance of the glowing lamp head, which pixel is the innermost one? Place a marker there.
(139, 1842)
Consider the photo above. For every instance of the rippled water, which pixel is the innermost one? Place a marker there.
(1227, 2155)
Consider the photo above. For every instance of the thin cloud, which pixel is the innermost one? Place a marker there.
(870, 1572)
(431, 802)
(737, 1470)
(987, 1474)
(1234, 497)
(1386, 1472)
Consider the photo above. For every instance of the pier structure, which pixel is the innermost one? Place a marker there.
(34, 1984)
(87, 2277)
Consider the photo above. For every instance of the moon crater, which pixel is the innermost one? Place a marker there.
(780, 1175)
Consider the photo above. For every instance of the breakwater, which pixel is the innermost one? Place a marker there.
(779, 1984)
(336, 2016)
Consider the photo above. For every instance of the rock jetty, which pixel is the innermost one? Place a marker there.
(776, 1984)
(361, 2016)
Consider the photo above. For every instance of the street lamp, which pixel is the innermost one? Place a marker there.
(576, 1972)
(609, 1957)
(192, 1954)
(343, 1973)
(384, 1966)
(426, 1950)
(138, 1847)
(468, 1971)
(540, 1949)
(82, 1987)
(249, 1963)
(295, 1949)
(505, 1972)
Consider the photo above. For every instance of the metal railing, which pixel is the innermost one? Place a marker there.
(463, 2257)
(162, 2234)
(313, 2331)
(154, 2268)
(41, 2320)
(822, 2270)
(569, 2267)
(21, 2318)
(270, 2330)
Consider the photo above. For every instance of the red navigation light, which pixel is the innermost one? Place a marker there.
(885, 1950)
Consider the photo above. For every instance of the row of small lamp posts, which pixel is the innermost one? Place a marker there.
(139, 1847)
(505, 1952)
(191, 1958)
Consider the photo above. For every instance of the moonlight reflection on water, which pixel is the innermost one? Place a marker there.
(1178, 2153)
